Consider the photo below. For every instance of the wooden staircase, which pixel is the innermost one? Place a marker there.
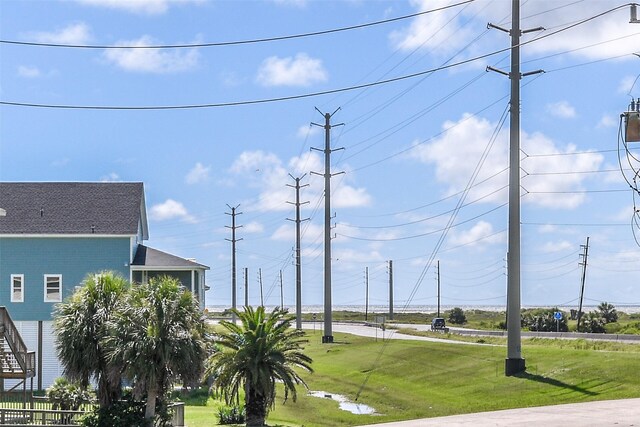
(16, 362)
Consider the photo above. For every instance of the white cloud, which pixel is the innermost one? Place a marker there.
(198, 174)
(481, 233)
(607, 121)
(28, 72)
(557, 246)
(111, 177)
(158, 61)
(78, 33)
(456, 153)
(626, 84)
(170, 209)
(148, 7)
(307, 131)
(450, 30)
(343, 257)
(561, 109)
(439, 31)
(287, 232)
(345, 196)
(294, 3)
(253, 227)
(547, 228)
(266, 172)
(299, 71)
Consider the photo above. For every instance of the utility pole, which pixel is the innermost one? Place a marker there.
(281, 292)
(390, 290)
(260, 280)
(233, 241)
(246, 287)
(584, 256)
(328, 333)
(438, 277)
(366, 294)
(514, 362)
(298, 261)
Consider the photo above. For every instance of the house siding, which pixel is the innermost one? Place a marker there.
(73, 258)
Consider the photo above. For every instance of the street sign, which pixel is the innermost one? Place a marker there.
(557, 315)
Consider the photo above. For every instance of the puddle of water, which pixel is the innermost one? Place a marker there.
(345, 404)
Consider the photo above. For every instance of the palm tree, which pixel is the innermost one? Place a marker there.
(608, 312)
(159, 337)
(261, 350)
(80, 324)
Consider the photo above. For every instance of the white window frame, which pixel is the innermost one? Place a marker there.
(59, 277)
(21, 277)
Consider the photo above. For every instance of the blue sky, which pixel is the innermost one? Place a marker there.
(410, 146)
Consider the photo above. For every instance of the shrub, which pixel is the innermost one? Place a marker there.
(593, 323)
(457, 316)
(231, 415)
(124, 413)
(65, 395)
(542, 320)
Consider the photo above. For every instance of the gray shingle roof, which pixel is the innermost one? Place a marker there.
(112, 208)
(149, 257)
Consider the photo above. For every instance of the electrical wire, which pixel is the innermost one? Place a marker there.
(236, 42)
(302, 96)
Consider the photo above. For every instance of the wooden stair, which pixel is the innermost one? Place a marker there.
(16, 362)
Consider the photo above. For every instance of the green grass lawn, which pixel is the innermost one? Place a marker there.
(406, 379)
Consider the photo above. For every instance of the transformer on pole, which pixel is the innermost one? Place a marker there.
(632, 122)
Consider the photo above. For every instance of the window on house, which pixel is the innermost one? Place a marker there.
(52, 287)
(17, 288)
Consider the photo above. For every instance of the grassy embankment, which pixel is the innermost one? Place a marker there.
(406, 380)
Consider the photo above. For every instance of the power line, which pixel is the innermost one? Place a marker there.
(236, 42)
(301, 96)
(424, 219)
(249, 102)
(428, 233)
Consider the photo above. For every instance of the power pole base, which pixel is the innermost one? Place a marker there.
(327, 339)
(514, 366)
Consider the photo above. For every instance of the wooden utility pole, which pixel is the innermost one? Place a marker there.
(233, 241)
(298, 259)
(584, 256)
(328, 333)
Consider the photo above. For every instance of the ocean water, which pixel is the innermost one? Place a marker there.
(629, 309)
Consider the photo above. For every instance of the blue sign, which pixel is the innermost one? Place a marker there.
(557, 315)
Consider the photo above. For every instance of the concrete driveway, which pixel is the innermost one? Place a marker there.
(620, 413)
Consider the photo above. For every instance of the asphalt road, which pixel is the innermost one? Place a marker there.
(373, 332)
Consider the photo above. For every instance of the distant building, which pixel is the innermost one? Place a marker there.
(54, 234)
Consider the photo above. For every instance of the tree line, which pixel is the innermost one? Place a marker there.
(149, 337)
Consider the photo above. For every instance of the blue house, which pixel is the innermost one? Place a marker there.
(54, 234)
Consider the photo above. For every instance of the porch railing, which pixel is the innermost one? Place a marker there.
(26, 359)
